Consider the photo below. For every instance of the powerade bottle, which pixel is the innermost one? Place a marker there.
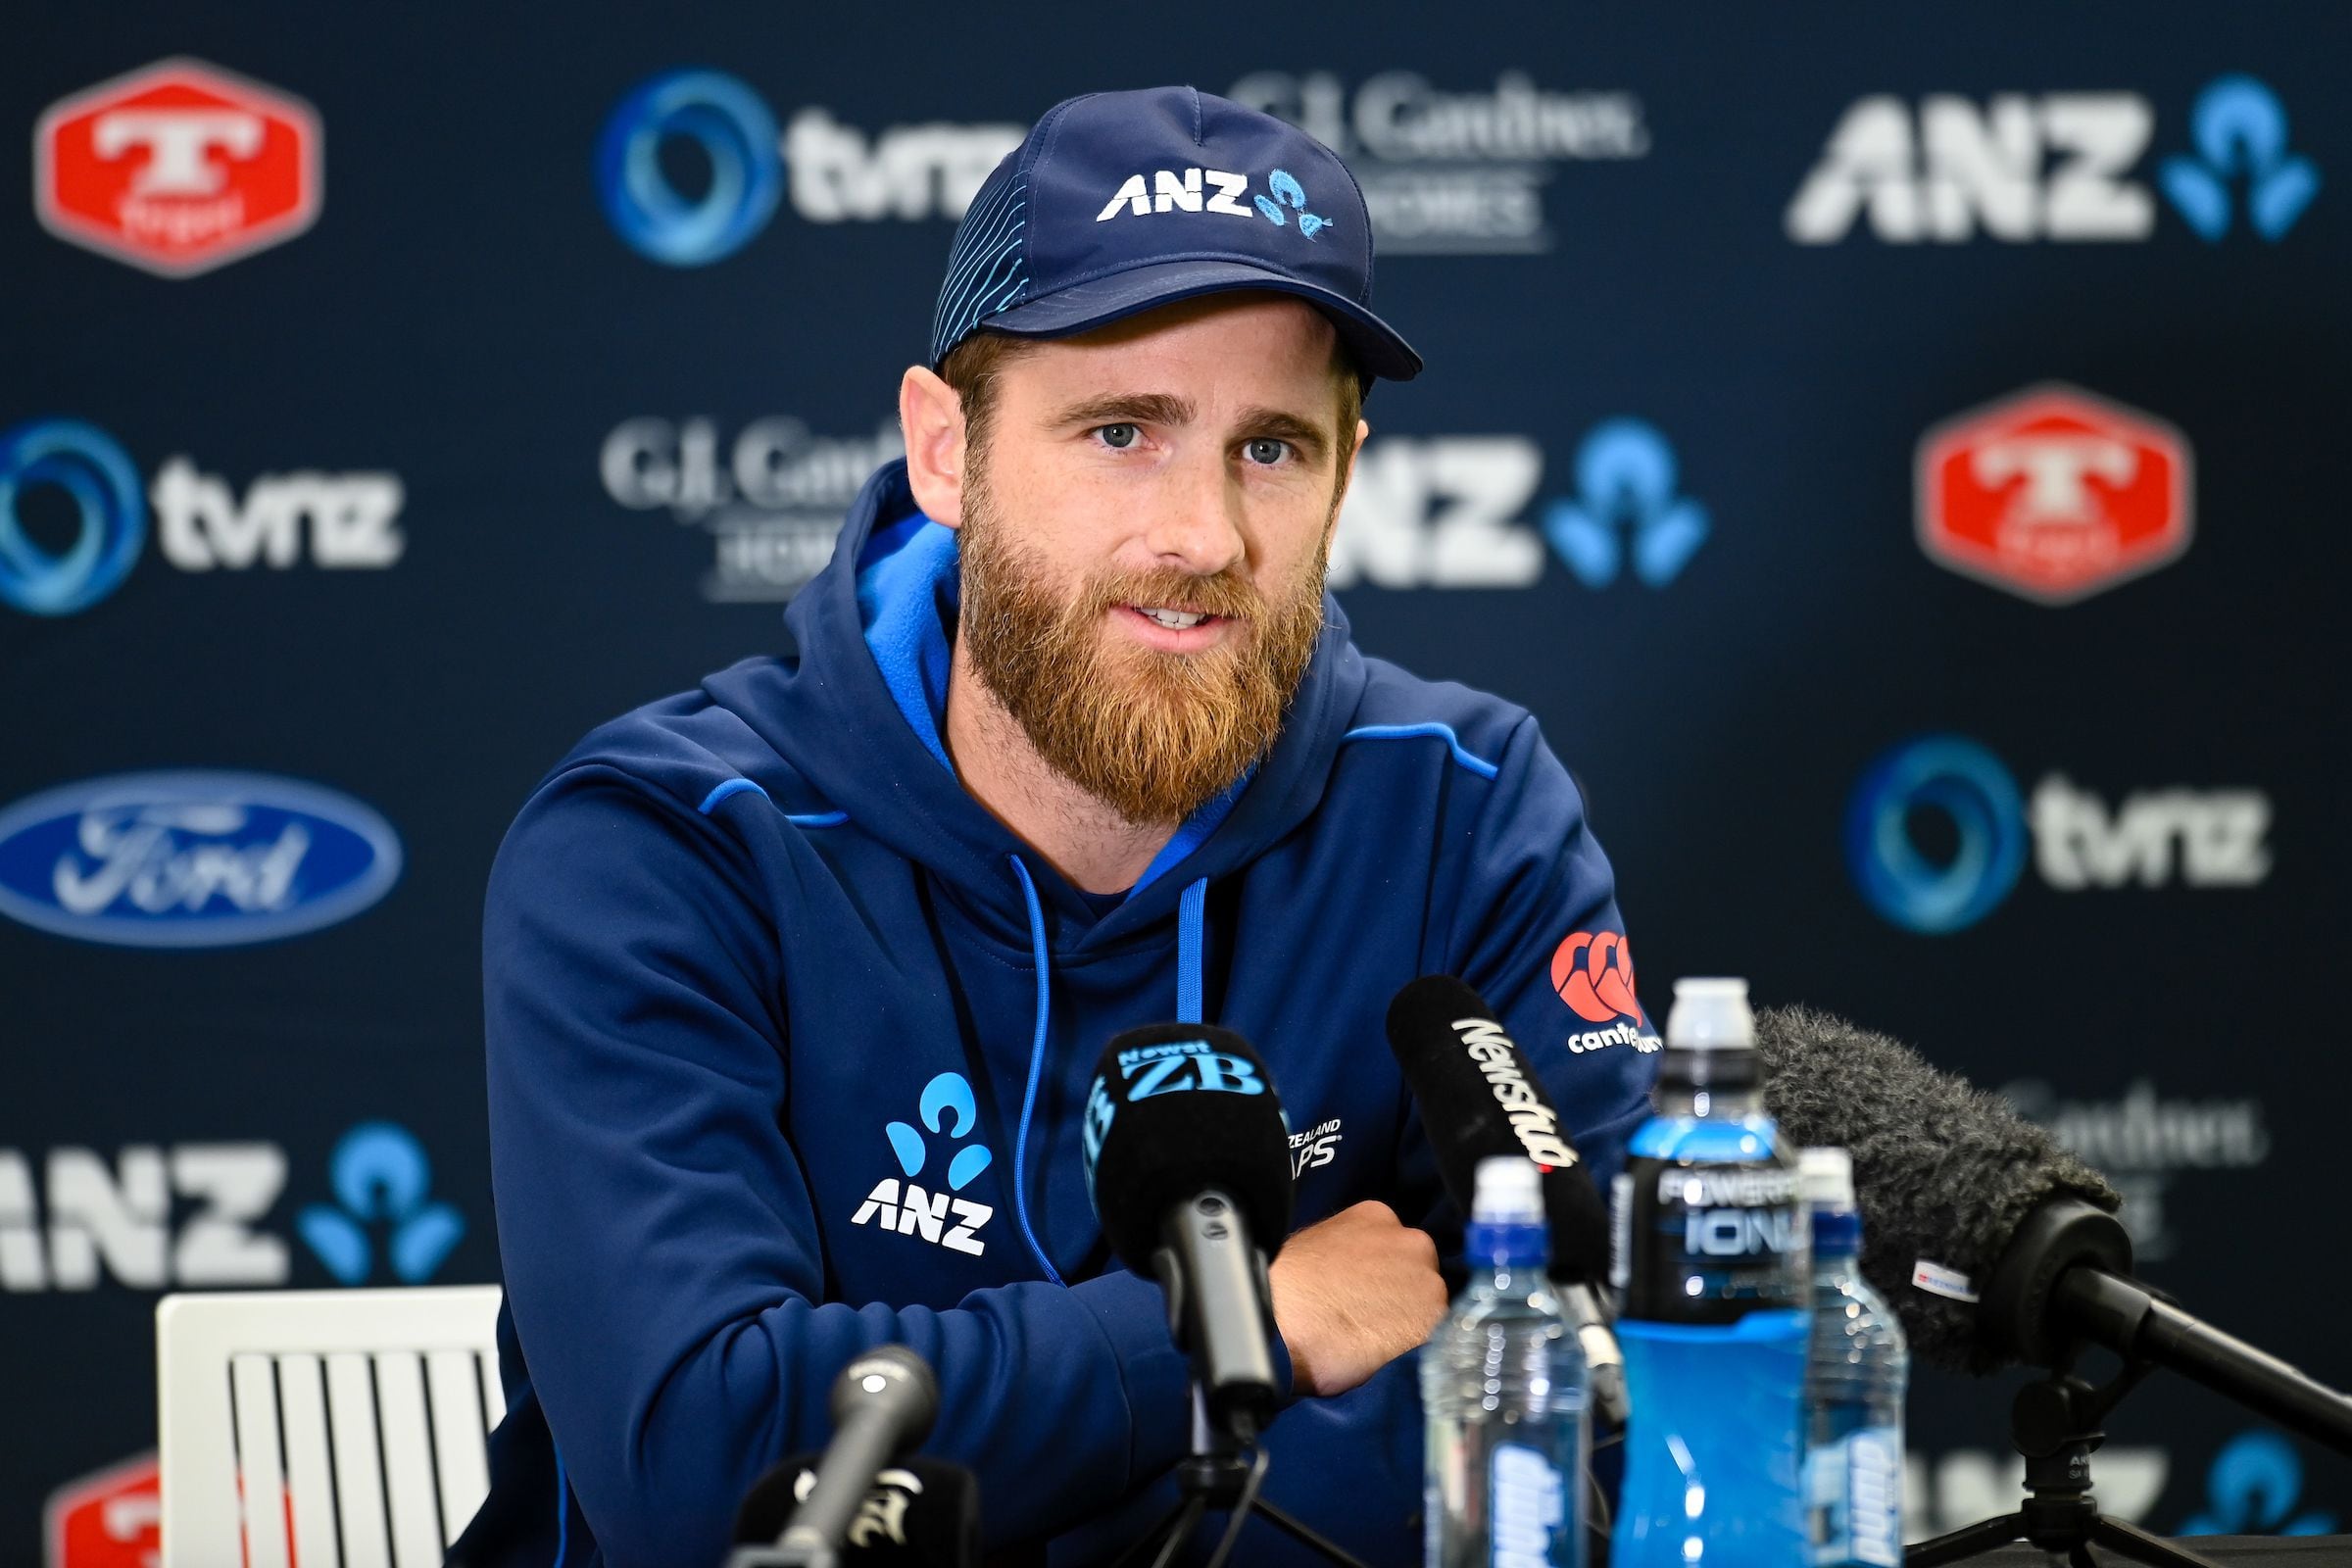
(1854, 1386)
(1502, 1391)
(1711, 1259)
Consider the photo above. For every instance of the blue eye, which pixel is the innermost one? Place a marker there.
(1266, 450)
(1118, 437)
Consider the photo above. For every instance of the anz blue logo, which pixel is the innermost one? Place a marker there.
(2252, 1489)
(1626, 508)
(947, 1109)
(191, 860)
(382, 1183)
(2239, 128)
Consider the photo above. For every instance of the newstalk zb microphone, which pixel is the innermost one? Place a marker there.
(1188, 1162)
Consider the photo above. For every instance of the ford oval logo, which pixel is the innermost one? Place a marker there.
(191, 860)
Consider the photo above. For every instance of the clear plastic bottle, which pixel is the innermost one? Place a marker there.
(1854, 1384)
(1712, 1260)
(1503, 1390)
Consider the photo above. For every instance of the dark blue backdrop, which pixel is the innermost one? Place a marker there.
(372, 460)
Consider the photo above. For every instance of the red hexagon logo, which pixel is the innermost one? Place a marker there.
(112, 1519)
(2054, 494)
(177, 168)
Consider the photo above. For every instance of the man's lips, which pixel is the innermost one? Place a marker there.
(1166, 631)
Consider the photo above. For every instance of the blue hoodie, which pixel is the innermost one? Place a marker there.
(789, 1042)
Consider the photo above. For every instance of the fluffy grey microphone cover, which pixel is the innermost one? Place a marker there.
(1944, 1171)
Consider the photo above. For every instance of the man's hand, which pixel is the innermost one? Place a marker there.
(1351, 1293)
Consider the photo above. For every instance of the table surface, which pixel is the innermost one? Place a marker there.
(2261, 1552)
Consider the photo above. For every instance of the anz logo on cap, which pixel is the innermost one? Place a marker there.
(1170, 192)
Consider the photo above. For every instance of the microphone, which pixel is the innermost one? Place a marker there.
(1188, 1165)
(1995, 1245)
(920, 1512)
(883, 1405)
(1479, 1097)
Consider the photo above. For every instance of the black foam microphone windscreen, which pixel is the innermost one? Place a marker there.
(1945, 1173)
(1178, 1109)
(920, 1512)
(1479, 1098)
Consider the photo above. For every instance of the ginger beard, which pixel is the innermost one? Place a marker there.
(1151, 734)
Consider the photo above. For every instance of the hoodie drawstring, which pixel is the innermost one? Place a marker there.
(1191, 914)
(1191, 910)
(1037, 1068)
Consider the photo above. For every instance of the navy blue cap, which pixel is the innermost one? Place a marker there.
(1118, 202)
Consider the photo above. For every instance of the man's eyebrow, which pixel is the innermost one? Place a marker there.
(1115, 408)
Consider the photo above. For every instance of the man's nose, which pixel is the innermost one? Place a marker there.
(1195, 524)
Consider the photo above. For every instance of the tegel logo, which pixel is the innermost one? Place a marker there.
(381, 1180)
(1448, 171)
(947, 1106)
(2054, 494)
(191, 860)
(2155, 838)
(110, 1518)
(690, 168)
(770, 500)
(177, 168)
(2239, 130)
(1626, 506)
(159, 1217)
(72, 480)
(2058, 167)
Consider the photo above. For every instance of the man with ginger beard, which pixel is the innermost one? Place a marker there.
(795, 983)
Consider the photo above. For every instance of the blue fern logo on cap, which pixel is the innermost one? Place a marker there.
(1287, 192)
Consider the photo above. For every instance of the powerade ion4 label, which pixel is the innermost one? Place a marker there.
(1707, 1244)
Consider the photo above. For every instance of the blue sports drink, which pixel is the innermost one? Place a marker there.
(1712, 1263)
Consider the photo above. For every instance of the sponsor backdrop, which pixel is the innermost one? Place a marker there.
(1901, 465)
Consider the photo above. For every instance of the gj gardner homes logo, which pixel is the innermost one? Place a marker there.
(177, 168)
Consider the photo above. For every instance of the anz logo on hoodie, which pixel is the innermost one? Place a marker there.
(914, 1209)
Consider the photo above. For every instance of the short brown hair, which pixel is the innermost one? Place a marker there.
(972, 366)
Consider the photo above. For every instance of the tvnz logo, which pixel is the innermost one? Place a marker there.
(947, 1106)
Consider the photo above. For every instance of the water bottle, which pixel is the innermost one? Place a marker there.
(1853, 1386)
(1711, 1260)
(1502, 1391)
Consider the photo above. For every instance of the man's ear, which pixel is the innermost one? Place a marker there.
(931, 416)
(1347, 478)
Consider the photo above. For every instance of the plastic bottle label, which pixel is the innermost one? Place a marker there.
(1710, 1243)
(1855, 1484)
(1527, 1504)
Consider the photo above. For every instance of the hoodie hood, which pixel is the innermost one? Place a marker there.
(873, 656)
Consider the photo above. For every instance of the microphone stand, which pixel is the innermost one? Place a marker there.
(2056, 1423)
(1224, 1472)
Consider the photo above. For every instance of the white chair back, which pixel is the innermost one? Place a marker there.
(323, 1429)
